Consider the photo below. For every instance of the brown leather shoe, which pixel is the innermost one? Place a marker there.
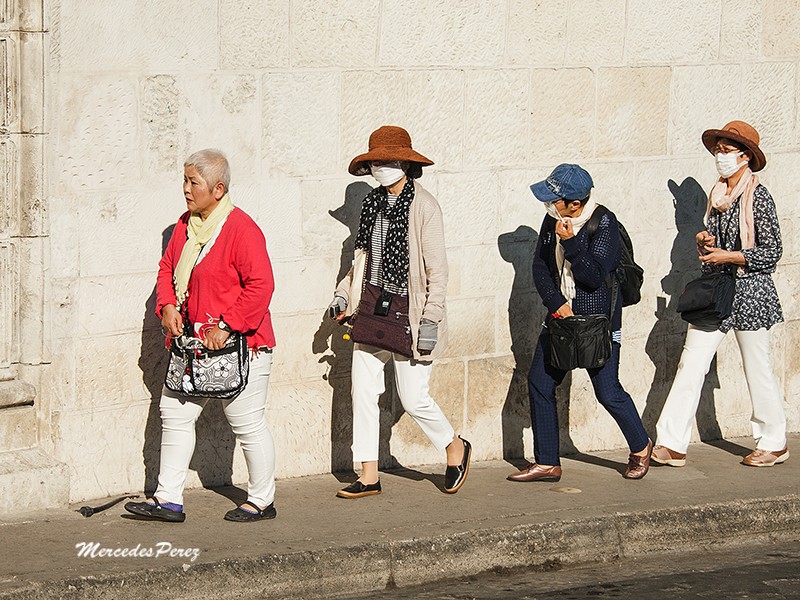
(638, 465)
(536, 473)
(766, 458)
(665, 456)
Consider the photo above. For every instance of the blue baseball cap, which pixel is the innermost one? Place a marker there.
(566, 182)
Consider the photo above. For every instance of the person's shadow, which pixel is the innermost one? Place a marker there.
(665, 342)
(525, 316)
(336, 351)
(213, 455)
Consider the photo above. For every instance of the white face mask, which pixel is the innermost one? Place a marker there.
(728, 163)
(551, 209)
(387, 174)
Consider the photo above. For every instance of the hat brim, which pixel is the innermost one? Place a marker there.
(712, 136)
(543, 193)
(360, 164)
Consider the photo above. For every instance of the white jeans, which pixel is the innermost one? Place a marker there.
(245, 414)
(411, 378)
(674, 427)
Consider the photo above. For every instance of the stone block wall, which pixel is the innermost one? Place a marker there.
(496, 92)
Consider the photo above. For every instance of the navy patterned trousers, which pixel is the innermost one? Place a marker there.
(542, 382)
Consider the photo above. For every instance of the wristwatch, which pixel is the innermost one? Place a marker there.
(224, 326)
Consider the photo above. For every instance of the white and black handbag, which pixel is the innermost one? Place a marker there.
(194, 370)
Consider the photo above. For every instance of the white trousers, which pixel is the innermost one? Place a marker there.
(245, 414)
(411, 378)
(674, 427)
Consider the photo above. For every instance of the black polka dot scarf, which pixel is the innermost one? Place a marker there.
(395, 250)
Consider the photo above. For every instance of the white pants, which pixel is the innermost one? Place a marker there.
(674, 427)
(245, 414)
(411, 378)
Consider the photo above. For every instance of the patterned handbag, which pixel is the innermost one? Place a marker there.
(194, 370)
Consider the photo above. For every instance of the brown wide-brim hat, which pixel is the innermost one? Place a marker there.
(388, 143)
(742, 133)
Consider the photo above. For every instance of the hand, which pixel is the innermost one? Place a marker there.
(565, 310)
(337, 308)
(171, 320)
(718, 256)
(215, 338)
(704, 242)
(564, 229)
(428, 336)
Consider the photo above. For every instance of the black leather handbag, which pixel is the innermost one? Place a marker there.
(580, 342)
(708, 300)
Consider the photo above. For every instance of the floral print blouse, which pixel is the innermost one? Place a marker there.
(755, 301)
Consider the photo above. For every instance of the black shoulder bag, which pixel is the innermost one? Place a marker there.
(581, 341)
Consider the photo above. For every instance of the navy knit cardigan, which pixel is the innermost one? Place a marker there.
(592, 261)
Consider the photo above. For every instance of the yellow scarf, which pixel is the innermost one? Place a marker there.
(199, 233)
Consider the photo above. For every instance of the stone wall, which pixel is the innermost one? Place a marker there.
(496, 92)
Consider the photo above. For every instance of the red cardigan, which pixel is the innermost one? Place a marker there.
(233, 281)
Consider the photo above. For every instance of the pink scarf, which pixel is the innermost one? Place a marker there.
(722, 202)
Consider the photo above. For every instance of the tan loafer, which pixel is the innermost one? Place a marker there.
(766, 458)
(664, 456)
(535, 472)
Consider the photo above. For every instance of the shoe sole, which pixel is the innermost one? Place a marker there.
(153, 517)
(781, 459)
(546, 479)
(351, 495)
(670, 462)
(466, 474)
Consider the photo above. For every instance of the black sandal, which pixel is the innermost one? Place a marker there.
(155, 511)
(240, 515)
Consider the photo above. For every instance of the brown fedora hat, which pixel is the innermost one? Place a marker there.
(741, 133)
(388, 143)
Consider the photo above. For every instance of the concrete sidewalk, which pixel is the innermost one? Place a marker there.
(412, 533)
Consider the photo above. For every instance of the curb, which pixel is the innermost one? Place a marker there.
(402, 563)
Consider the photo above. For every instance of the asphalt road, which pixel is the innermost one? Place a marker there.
(754, 572)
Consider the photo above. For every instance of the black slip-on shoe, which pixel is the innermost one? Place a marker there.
(240, 515)
(155, 511)
(455, 476)
(359, 490)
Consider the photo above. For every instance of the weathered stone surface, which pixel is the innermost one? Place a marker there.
(100, 36)
(467, 339)
(370, 99)
(537, 32)
(97, 133)
(279, 215)
(778, 177)
(254, 33)
(563, 123)
(340, 33)
(483, 270)
(688, 117)
(469, 35)
(490, 380)
(300, 123)
(434, 115)
(302, 286)
(682, 30)
(40, 481)
(595, 34)
(113, 303)
(324, 234)
(779, 31)
(769, 98)
(294, 359)
(633, 107)
(468, 218)
(518, 206)
(740, 30)
(498, 125)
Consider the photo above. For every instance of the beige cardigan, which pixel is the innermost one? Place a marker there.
(427, 271)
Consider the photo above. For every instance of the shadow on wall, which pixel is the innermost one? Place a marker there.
(665, 341)
(525, 316)
(213, 455)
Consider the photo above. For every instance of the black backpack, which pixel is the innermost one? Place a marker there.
(629, 274)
